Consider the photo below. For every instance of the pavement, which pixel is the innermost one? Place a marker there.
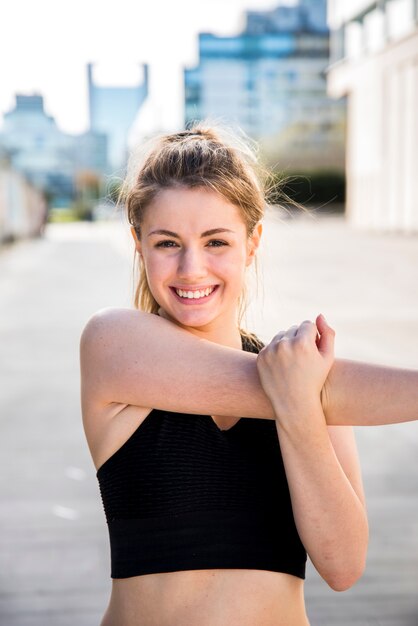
(54, 553)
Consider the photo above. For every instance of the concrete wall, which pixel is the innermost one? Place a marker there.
(23, 208)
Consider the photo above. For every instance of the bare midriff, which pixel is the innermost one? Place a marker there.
(211, 597)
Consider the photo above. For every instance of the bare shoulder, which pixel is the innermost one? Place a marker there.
(119, 354)
(110, 329)
(111, 321)
(103, 351)
(107, 420)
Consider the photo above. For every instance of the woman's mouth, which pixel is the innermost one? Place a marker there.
(194, 296)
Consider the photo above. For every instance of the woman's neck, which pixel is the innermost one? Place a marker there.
(225, 333)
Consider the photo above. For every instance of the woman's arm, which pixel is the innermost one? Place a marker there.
(363, 394)
(136, 358)
(131, 357)
(325, 485)
(321, 463)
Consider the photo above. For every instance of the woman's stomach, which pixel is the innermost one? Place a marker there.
(209, 597)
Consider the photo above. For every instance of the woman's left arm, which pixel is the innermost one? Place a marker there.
(326, 490)
(321, 462)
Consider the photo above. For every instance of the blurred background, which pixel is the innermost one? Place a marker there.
(329, 91)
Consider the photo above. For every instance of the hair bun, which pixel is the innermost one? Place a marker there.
(194, 131)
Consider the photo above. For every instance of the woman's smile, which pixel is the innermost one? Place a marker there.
(194, 295)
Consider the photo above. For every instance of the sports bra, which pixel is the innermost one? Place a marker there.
(182, 494)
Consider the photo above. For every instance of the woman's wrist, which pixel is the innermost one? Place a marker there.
(301, 416)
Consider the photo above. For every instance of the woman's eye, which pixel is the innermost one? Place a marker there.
(165, 244)
(217, 243)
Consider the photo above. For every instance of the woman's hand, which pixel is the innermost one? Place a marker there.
(293, 367)
(321, 464)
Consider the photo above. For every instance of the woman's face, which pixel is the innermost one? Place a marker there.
(195, 249)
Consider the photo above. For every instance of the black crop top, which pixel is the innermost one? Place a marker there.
(181, 494)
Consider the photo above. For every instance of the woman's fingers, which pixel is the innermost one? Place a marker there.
(291, 332)
(326, 343)
(324, 339)
(320, 332)
(307, 328)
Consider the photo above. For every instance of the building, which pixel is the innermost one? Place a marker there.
(47, 157)
(270, 80)
(375, 64)
(113, 110)
(309, 16)
(37, 148)
(91, 152)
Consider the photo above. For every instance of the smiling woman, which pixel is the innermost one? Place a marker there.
(211, 516)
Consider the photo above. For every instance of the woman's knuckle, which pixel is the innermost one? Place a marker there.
(286, 346)
(302, 343)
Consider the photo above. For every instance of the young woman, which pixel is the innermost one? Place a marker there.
(211, 516)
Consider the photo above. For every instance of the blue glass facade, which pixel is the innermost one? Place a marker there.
(37, 148)
(267, 79)
(113, 111)
(49, 158)
(246, 46)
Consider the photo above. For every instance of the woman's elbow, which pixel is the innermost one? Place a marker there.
(345, 578)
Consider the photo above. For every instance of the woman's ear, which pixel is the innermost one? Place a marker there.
(254, 242)
(137, 241)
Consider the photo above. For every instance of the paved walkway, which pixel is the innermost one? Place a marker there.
(53, 540)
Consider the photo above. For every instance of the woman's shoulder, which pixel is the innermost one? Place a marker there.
(109, 316)
(114, 321)
(113, 359)
(111, 333)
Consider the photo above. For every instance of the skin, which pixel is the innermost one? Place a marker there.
(119, 350)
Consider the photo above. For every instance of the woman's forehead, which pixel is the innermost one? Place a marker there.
(197, 206)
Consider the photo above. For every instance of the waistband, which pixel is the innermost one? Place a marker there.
(205, 540)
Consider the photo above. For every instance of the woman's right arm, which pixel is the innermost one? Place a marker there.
(136, 358)
(131, 357)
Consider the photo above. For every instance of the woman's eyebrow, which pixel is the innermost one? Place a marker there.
(216, 231)
(207, 233)
(163, 232)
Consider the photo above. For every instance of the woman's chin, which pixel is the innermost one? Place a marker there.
(191, 320)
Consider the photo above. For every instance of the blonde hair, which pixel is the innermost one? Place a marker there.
(206, 156)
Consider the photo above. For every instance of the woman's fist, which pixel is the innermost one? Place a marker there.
(293, 367)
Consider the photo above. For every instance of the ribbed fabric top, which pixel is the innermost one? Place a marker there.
(181, 494)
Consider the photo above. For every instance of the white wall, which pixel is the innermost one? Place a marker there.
(22, 207)
(382, 135)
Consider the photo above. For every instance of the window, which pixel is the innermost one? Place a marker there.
(400, 17)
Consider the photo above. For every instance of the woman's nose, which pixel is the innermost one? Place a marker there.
(192, 264)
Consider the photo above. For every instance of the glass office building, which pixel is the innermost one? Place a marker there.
(270, 79)
(113, 110)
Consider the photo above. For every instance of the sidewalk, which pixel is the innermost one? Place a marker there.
(53, 541)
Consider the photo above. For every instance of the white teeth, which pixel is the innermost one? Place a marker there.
(194, 295)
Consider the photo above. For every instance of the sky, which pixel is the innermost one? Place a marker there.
(46, 44)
